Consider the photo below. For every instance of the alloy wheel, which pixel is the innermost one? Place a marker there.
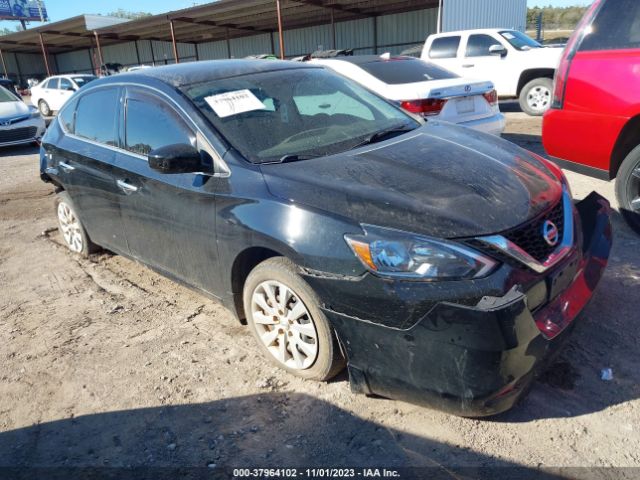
(539, 98)
(70, 226)
(284, 325)
(634, 190)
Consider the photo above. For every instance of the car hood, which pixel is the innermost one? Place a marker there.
(10, 110)
(439, 180)
(544, 57)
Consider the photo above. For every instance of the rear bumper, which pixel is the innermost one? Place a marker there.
(493, 125)
(477, 360)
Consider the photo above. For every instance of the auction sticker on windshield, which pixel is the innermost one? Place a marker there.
(233, 103)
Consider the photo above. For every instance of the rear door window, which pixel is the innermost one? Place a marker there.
(479, 45)
(445, 47)
(616, 27)
(52, 83)
(67, 115)
(168, 128)
(96, 116)
(396, 71)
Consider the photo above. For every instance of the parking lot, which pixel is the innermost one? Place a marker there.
(106, 363)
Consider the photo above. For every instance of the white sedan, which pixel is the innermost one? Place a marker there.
(19, 123)
(424, 89)
(52, 93)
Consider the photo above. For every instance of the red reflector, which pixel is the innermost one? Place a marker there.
(491, 97)
(426, 106)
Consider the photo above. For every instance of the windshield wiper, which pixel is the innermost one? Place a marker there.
(382, 134)
(292, 157)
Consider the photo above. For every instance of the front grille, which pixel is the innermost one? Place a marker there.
(17, 134)
(529, 236)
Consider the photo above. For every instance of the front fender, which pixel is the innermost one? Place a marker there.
(248, 216)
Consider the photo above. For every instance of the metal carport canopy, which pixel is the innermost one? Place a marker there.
(221, 20)
(71, 34)
(228, 19)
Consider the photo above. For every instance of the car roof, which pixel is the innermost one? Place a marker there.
(475, 30)
(67, 75)
(203, 71)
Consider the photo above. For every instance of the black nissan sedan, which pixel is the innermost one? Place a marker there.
(441, 265)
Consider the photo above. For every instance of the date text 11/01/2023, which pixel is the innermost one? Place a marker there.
(315, 473)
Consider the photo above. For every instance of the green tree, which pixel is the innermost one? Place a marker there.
(562, 18)
(120, 13)
(7, 31)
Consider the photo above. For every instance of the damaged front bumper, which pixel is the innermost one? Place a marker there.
(474, 359)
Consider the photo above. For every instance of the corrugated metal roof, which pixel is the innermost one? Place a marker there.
(70, 34)
(221, 20)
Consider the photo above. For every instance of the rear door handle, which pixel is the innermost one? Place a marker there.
(66, 167)
(126, 187)
(468, 65)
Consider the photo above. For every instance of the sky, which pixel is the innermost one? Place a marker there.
(61, 9)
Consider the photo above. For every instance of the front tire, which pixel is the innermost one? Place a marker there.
(628, 189)
(44, 108)
(535, 97)
(73, 233)
(284, 315)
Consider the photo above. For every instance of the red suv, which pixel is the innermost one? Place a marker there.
(593, 126)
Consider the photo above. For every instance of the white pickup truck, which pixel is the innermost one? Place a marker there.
(517, 65)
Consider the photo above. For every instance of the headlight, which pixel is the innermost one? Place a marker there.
(34, 113)
(394, 253)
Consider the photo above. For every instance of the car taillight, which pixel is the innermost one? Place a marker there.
(491, 97)
(424, 107)
(560, 81)
(562, 73)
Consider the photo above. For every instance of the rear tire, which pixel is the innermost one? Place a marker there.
(535, 97)
(628, 189)
(73, 233)
(44, 108)
(284, 315)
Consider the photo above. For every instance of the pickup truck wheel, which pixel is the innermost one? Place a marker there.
(73, 233)
(628, 189)
(284, 315)
(44, 108)
(535, 97)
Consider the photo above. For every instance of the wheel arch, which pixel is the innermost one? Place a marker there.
(628, 139)
(527, 75)
(244, 262)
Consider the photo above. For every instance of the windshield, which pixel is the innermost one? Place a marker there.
(519, 40)
(305, 112)
(82, 81)
(6, 96)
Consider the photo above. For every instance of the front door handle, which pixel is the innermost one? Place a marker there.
(66, 167)
(468, 65)
(126, 187)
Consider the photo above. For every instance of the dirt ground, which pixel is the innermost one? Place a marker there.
(104, 363)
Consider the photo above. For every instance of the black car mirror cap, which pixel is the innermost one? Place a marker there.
(176, 158)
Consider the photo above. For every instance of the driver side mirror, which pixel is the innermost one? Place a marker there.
(498, 50)
(177, 158)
